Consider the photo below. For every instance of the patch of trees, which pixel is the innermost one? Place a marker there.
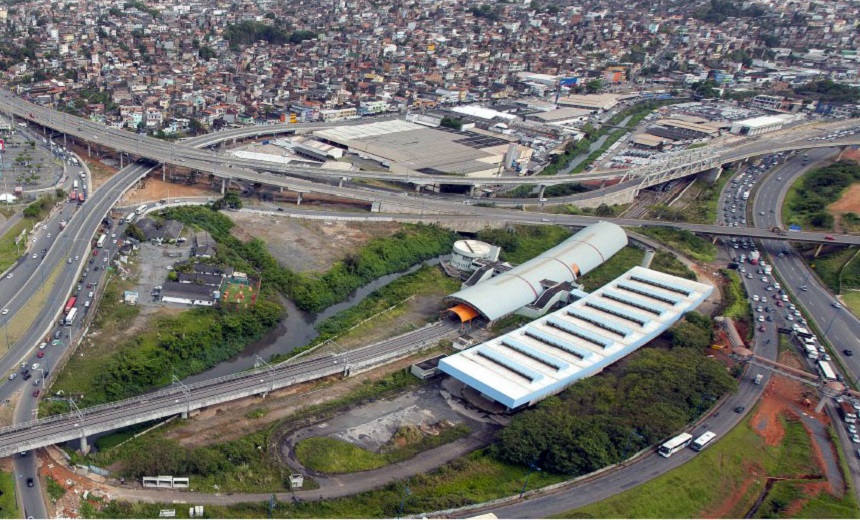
(829, 91)
(248, 32)
(492, 13)
(718, 10)
(819, 189)
(315, 292)
(604, 419)
(183, 345)
(452, 122)
(39, 208)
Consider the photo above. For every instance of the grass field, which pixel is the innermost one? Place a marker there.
(20, 322)
(330, 455)
(613, 268)
(702, 485)
(238, 294)
(9, 252)
(852, 300)
(336, 456)
(8, 504)
(736, 305)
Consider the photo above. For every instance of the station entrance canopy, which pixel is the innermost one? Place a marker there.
(464, 312)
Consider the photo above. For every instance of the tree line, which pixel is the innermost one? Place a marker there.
(315, 292)
(819, 189)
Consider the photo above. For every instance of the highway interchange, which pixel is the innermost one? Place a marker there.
(82, 225)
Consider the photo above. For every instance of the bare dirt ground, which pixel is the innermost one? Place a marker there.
(850, 201)
(308, 245)
(153, 188)
(100, 172)
(53, 464)
(230, 421)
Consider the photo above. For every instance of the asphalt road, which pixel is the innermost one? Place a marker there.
(226, 165)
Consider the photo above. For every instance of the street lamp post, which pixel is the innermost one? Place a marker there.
(187, 392)
(270, 368)
(835, 312)
(406, 493)
(532, 467)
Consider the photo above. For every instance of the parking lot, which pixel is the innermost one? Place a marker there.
(154, 261)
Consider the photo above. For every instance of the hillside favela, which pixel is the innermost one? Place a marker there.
(429, 259)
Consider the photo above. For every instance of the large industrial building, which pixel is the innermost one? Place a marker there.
(408, 147)
(533, 287)
(549, 354)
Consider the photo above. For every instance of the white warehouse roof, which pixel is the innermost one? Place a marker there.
(549, 354)
(514, 289)
(758, 122)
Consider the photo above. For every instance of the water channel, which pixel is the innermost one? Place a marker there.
(296, 330)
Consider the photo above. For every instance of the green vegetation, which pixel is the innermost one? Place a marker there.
(703, 209)
(114, 439)
(617, 265)
(852, 301)
(807, 200)
(829, 91)
(452, 122)
(54, 489)
(718, 10)
(699, 487)
(9, 252)
(248, 32)
(8, 504)
(180, 345)
(381, 256)
(669, 264)
(330, 455)
(683, 241)
(522, 243)
(838, 268)
(40, 208)
(735, 303)
(242, 465)
(604, 419)
(378, 301)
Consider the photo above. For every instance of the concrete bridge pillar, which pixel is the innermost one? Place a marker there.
(89, 151)
(183, 415)
(223, 185)
(85, 447)
(234, 140)
(541, 191)
(471, 191)
(710, 176)
(163, 172)
(818, 250)
(299, 199)
(64, 141)
(340, 183)
(281, 189)
(120, 161)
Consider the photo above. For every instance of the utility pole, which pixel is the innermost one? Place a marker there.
(270, 369)
(187, 392)
(85, 448)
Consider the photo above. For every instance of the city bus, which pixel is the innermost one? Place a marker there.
(141, 209)
(675, 444)
(826, 371)
(703, 440)
(101, 241)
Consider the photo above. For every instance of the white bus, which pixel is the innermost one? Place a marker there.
(703, 440)
(101, 241)
(675, 444)
(826, 371)
(70, 317)
(141, 209)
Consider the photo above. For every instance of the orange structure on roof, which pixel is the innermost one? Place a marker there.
(464, 312)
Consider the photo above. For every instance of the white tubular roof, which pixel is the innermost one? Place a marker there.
(579, 254)
(550, 353)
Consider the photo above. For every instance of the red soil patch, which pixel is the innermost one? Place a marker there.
(727, 508)
(808, 491)
(850, 201)
(850, 154)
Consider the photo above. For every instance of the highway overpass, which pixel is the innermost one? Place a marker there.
(227, 166)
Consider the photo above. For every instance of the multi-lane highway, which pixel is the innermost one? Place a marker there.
(229, 166)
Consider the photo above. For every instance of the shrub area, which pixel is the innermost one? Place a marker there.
(183, 345)
(808, 199)
(523, 243)
(314, 293)
(684, 241)
(603, 419)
